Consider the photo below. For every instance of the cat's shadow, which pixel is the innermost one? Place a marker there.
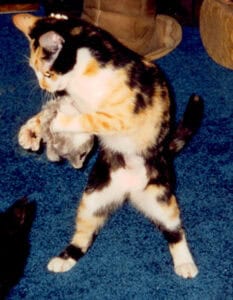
(15, 226)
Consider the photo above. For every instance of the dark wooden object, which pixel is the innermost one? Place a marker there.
(9, 6)
(185, 11)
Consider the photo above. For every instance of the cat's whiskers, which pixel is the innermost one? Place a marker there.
(33, 90)
(53, 96)
(47, 97)
(30, 84)
(25, 58)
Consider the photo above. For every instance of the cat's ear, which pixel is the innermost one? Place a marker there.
(52, 42)
(25, 22)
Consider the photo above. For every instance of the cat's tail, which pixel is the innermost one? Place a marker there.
(188, 125)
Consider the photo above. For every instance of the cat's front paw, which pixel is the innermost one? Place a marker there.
(58, 264)
(187, 270)
(29, 136)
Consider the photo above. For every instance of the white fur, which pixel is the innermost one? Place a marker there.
(89, 91)
(58, 264)
(121, 143)
(123, 180)
(183, 262)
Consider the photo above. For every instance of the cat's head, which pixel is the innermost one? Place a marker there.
(53, 53)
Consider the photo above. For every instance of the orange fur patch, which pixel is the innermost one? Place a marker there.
(92, 68)
(76, 31)
(173, 208)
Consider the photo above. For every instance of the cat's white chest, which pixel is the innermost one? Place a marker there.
(133, 177)
(89, 90)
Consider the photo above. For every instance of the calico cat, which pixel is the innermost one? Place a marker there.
(15, 225)
(125, 101)
(71, 146)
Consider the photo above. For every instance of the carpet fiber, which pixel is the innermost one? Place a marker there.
(130, 258)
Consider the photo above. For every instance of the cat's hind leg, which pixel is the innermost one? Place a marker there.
(88, 223)
(161, 207)
(92, 214)
(102, 196)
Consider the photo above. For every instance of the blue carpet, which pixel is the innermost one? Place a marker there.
(129, 259)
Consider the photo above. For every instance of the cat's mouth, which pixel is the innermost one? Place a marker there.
(51, 86)
(48, 87)
(45, 86)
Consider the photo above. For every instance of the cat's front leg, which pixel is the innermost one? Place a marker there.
(29, 136)
(101, 122)
(66, 123)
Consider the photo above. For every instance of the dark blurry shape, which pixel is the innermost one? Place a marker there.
(73, 7)
(15, 225)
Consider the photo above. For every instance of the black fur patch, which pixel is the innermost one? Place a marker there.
(107, 49)
(164, 94)
(140, 103)
(172, 237)
(100, 175)
(71, 251)
(102, 45)
(61, 93)
(165, 127)
(188, 125)
(159, 167)
(166, 196)
(106, 210)
(143, 77)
